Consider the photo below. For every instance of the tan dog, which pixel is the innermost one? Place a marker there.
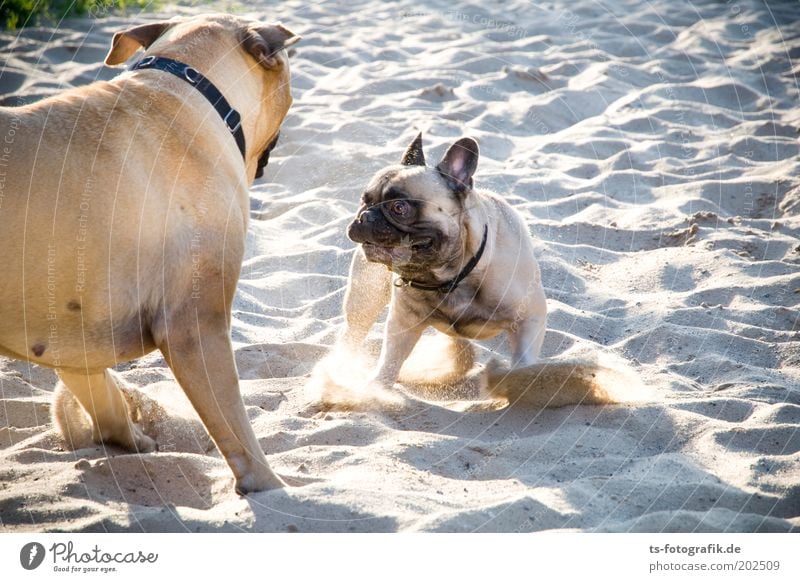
(463, 260)
(123, 212)
(443, 254)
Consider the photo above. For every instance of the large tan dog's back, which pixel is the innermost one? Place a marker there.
(123, 214)
(94, 210)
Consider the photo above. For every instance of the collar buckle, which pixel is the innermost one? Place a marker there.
(233, 120)
(145, 62)
(191, 74)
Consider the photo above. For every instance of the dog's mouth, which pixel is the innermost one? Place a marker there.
(400, 253)
(422, 244)
(384, 243)
(382, 254)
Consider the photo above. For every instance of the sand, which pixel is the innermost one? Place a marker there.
(652, 148)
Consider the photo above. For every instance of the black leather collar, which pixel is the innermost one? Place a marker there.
(207, 89)
(450, 285)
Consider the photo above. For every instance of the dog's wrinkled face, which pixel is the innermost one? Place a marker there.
(411, 216)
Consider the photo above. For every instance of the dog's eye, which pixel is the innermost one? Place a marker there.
(400, 208)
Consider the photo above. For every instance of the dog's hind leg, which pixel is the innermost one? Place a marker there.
(438, 359)
(368, 293)
(99, 395)
(200, 354)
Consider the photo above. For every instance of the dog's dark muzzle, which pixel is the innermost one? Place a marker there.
(370, 226)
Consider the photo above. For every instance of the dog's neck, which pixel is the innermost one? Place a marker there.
(245, 91)
(449, 276)
(470, 245)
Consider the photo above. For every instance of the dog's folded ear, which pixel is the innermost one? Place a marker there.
(459, 163)
(414, 155)
(265, 42)
(127, 42)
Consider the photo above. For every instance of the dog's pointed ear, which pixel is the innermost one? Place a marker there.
(264, 43)
(127, 42)
(459, 163)
(414, 155)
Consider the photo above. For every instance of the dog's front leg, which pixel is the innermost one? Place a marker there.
(403, 330)
(526, 337)
(198, 349)
(369, 289)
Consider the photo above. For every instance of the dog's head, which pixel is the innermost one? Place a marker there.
(248, 56)
(412, 216)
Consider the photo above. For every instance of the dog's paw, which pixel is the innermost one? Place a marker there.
(141, 442)
(253, 483)
(128, 436)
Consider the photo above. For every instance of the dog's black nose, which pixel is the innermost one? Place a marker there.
(365, 217)
(370, 216)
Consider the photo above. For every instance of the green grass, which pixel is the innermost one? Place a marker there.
(18, 13)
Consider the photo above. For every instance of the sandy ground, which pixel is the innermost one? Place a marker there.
(652, 147)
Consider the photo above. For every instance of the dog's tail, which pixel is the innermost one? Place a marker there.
(585, 379)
